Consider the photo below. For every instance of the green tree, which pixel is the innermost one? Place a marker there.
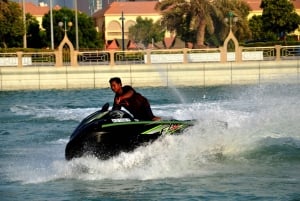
(180, 22)
(198, 21)
(189, 18)
(237, 9)
(35, 36)
(257, 32)
(256, 24)
(87, 34)
(279, 17)
(145, 31)
(11, 24)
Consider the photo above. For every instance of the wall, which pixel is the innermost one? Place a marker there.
(193, 74)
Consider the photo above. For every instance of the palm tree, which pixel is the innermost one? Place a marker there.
(191, 17)
(239, 9)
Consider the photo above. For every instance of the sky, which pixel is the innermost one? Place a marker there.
(62, 3)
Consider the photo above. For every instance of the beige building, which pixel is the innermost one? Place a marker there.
(109, 20)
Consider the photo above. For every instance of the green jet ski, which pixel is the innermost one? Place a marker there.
(106, 133)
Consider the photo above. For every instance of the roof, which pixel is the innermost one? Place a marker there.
(254, 4)
(132, 7)
(113, 46)
(37, 10)
(132, 45)
(296, 4)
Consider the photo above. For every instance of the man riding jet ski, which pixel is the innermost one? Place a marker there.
(106, 133)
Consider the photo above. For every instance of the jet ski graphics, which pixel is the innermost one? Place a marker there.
(107, 133)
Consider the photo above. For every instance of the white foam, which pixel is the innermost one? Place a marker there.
(60, 114)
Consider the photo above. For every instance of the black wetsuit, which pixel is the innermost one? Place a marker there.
(137, 104)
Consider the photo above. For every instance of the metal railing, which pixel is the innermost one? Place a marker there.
(86, 58)
(39, 58)
(290, 52)
(129, 57)
(93, 58)
(267, 53)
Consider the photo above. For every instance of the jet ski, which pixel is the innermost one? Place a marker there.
(107, 133)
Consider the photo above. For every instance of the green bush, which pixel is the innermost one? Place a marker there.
(14, 50)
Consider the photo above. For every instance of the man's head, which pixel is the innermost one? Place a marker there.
(116, 84)
(115, 79)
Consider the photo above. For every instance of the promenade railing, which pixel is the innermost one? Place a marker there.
(148, 56)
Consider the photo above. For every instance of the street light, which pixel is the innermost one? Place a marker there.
(51, 25)
(231, 43)
(24, 24)
(122, 19)
(76, 24)
(231, 19)
(64, 24)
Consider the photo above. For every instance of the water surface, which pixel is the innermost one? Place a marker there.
(256, 157)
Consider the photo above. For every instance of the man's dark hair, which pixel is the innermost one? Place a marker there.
(115, 79)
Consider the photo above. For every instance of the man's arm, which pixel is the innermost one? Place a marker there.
(128, 94)
(128, 91)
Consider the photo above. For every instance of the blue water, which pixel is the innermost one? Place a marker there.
(256, 157)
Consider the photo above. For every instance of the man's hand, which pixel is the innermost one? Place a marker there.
(118, 100)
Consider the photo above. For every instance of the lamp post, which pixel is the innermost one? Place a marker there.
(64, 24)
(51, 25)
(233, 46)
(65, 55)
(231, 19)
(24, 24)
(76, 24)
(122, 19)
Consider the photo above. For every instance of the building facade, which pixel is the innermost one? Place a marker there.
(109, 20)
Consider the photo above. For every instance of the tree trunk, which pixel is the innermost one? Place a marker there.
(200, 34)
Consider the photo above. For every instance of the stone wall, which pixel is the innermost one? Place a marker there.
(192, 74)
